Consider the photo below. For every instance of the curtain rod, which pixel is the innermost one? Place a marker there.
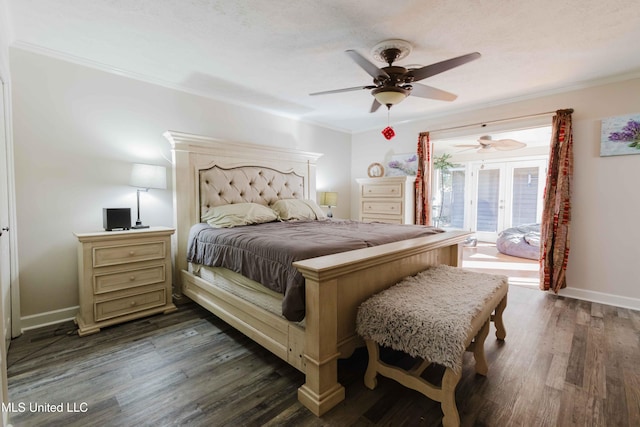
(483, 124)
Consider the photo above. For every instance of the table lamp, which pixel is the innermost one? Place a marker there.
(145, 177)
(328, 198)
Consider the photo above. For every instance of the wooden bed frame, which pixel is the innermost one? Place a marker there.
(335, 284)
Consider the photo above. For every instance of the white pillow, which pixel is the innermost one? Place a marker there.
(297, 209)
(233, 215)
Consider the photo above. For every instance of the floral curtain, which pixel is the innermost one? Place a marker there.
(423, 181)
(556, 215)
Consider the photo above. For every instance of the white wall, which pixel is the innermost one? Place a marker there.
(606, 206)
(77, 130)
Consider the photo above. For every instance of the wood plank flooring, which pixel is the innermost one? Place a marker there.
(485, 258)
(564, 363)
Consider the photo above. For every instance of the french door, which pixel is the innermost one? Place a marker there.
(505, 194)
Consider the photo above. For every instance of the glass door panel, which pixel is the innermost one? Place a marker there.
(489, 202)
(524, 195)
(457, 201)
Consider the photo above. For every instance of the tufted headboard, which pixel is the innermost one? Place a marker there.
(263, 185)
(209, 172)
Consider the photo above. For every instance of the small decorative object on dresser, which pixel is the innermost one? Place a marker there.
(375, 170)
(123, 275)
(387, 199)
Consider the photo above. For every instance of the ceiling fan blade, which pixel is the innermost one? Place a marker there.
(507, 144)
(439, 67)
(424, 91)
(468, 145)
(374, 106)
(348, 89)
(369, 67)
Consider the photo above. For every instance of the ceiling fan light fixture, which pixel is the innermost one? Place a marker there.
(390, 95)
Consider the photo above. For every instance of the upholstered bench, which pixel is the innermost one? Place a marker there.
(434, 316)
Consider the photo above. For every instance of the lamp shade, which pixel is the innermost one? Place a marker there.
(328, 198)
(148, 176)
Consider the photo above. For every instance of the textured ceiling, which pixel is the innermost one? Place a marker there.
(272, 54)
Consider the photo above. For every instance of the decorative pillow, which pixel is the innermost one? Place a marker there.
(297, 209)
(233, 215)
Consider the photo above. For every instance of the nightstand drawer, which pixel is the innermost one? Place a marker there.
(131, 304)
(114, 255)
(382, 190)
(382, 207)
(109, 282)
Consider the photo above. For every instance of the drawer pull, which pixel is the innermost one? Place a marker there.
(131, 253)
(132, 304)
(132, 278)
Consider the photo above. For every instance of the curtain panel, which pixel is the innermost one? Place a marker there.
(423, 181)
(556, 215)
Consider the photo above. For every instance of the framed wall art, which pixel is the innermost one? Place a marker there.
(620, 135)
(402, 165)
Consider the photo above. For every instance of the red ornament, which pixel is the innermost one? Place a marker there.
(388, 132)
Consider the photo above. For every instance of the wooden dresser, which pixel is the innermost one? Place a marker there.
(123, 275)
(387, 199)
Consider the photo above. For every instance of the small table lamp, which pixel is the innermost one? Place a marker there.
(145, 177)
(328, 198)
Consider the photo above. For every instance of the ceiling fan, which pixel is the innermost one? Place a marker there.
(393, 83)
(486, 144)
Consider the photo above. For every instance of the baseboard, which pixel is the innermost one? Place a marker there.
(49, 318)
(601, 297)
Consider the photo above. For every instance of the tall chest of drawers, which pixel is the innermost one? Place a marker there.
(387, 199)
(123, 275)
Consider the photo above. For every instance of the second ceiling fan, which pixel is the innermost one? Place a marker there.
(486, 144)
(393, 83)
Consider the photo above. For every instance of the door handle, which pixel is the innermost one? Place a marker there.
(4, 229)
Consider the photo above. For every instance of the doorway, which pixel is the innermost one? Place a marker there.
(505, 194)
(489, 190)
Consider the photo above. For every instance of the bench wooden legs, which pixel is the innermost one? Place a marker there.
(501, 332)
(446, 393)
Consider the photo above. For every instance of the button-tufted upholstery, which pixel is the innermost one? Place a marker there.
(253, 184)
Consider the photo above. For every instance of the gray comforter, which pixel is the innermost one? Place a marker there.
(265, 252)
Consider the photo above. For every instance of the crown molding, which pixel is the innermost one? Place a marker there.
(29, 47)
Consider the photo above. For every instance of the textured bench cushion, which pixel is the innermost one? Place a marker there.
(432, 315)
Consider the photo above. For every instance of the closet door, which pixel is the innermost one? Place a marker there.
(5, 261)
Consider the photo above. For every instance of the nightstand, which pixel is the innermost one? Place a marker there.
(123, 275)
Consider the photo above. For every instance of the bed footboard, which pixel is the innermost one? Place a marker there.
(335, 287)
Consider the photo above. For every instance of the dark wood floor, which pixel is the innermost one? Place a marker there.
(564, 363)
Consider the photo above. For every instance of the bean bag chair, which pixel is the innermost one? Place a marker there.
(522, 241)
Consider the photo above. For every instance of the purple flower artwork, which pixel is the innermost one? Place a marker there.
(402, 165)
(620, 135)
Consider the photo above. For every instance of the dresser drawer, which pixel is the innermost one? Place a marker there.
(382, 190)
(386, 220)
(394, 208)
(114, 255)
(114, 281)
(130, 304)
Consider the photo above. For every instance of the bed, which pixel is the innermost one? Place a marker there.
(207, 173)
